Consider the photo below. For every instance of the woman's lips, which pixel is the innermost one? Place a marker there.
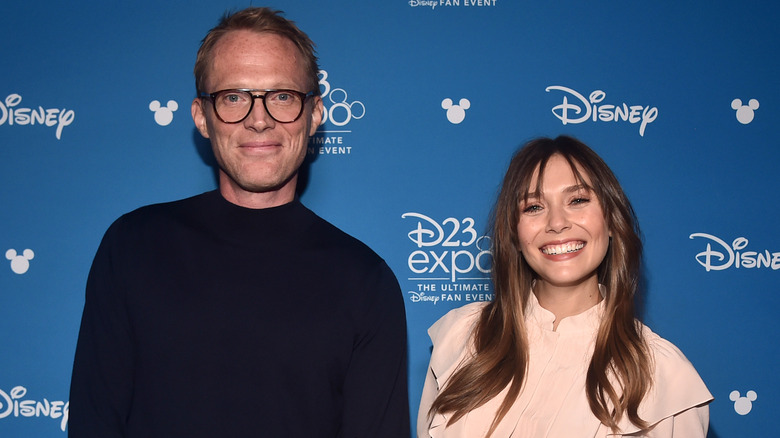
(562, 248)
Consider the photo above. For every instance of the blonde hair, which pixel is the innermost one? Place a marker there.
(258, 20)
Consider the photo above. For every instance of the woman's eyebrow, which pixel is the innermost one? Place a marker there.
(577, 188)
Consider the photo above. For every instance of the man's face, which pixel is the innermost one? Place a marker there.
(258, 157)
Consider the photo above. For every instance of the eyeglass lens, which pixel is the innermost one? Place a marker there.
(234, 105)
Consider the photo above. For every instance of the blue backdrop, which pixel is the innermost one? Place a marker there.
(427, 100)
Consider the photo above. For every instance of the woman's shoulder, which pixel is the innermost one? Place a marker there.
(672, 371)
(451, 336)
(665, 355)
(456, 322)
(676, 385)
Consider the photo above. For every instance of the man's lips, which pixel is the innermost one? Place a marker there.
(562, 248)
(259, 145)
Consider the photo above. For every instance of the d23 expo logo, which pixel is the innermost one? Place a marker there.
(451, 260)
(339, 109)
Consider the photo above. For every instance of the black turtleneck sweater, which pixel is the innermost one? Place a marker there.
(206, 319)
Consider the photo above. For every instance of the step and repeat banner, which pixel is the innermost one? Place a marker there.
(426, 101)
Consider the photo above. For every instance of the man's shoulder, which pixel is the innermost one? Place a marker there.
(328, 236)
(158, 217)
(169, 207)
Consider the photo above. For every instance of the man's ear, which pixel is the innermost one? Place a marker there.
(316, 115)
(199, 117)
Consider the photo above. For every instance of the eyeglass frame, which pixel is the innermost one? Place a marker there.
(251, 91)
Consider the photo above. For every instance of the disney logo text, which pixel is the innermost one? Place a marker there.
(11, 404)
(605, 113)
(733, 255)
(28, 116)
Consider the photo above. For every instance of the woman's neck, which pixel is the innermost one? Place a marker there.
(567, 300)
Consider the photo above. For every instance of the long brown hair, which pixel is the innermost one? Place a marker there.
(500, 340)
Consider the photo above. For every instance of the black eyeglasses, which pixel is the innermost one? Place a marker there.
(234, 105)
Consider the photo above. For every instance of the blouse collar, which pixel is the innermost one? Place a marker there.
(587, 321)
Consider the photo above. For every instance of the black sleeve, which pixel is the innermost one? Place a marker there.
(376, 388)
(101, 384)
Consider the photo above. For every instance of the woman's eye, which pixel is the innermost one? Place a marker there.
(533, 208)
(580, 200)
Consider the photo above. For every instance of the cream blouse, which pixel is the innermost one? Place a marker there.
(552, 402)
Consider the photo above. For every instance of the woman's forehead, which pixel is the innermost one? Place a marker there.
(557, 168)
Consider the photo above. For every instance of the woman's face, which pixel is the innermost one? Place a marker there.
(562, 231)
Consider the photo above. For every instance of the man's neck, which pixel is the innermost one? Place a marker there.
(258, 200)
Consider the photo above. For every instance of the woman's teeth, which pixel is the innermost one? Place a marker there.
(563, 249)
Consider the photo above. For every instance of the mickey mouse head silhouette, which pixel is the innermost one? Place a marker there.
(745, 113)
(163, 115)
(20, 263)
(743, 405)
(456, 113)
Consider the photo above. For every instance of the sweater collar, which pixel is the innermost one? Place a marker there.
(241, 224)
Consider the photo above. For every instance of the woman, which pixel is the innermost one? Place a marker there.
(559, 352)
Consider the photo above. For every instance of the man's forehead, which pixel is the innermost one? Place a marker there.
(251, 40)
(243, 54)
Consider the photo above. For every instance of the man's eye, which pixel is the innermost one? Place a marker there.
(282, 97)
(233, 98)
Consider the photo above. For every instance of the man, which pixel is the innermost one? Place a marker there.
(239, 312)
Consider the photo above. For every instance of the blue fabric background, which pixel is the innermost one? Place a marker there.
(703, 171)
